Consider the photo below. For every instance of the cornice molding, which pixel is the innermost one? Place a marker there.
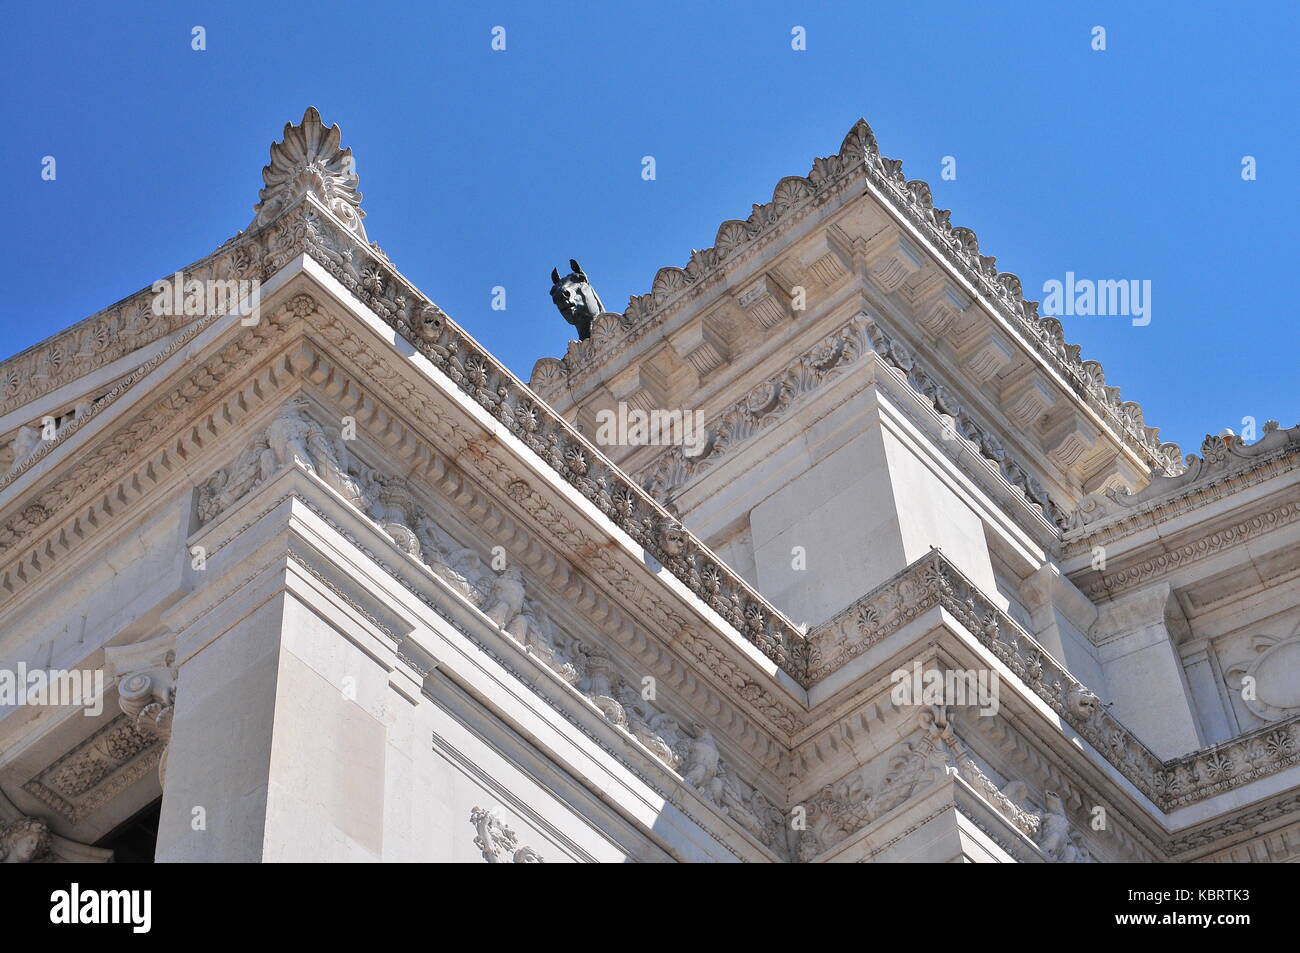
(690, 758)
(66, 508)
(487, 503)
(1244, 822)
(1227, 467)
(477, 374)
(933, 580)
(1148, 568)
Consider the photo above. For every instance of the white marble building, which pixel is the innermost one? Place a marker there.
(356, 593)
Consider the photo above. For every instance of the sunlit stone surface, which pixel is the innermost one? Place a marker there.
(355, 593)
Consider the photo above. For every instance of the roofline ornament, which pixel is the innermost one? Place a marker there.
(859, 155)
(1223, 456)
(309, 160)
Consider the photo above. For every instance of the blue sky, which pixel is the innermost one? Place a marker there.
(483, 168)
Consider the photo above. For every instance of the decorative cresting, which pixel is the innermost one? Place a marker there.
(309, 162)
(934, 581)
(1223, 458)
(794, 196)
(499, 844)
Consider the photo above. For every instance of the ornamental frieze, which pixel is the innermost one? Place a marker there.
(933, 580)
(294, 439)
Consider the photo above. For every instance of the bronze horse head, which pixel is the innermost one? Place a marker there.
(576, 298)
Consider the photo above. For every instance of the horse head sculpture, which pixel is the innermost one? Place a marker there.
(576, 298)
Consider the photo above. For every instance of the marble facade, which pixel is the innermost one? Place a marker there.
(358, 593)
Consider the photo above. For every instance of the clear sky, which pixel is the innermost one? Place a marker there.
(483, 168)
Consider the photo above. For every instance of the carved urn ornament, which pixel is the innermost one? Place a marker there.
(576, 298)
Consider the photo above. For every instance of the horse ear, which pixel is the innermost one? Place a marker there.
(577, 268)
(555, 276)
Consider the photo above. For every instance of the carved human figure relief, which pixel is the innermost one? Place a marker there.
(910, 768)
(458, 565)
(292, 438)
(391, 506)
(499, 843)
(544, 640)
(701, 770)
(598, 686)
(1058, 841)
(287, 437)
(26, 443)
(26, 840)
(507, 598)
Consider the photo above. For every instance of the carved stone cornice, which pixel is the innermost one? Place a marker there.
(581, 671)
(71, 505)
(767, 404)
(98, 406)
(1241, 823)
(485, 381)
(1230, 764)
(933, 580)
(120, 330)
(1227, 466)
(484, 484)
(1145, 568)
(859, 161)
(299, 361)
